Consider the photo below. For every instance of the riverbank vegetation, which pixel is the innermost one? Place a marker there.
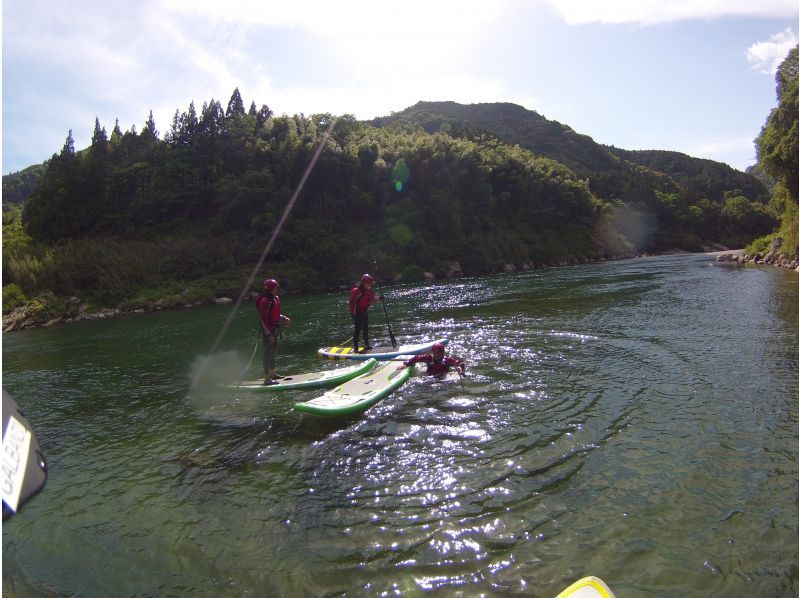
(777, 148)
(140, 220)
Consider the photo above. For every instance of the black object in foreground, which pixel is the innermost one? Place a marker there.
(24, 469)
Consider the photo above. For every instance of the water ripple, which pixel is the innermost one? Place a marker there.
(605, 425)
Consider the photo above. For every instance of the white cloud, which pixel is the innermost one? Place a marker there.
(388, 53)
(369, 33)
(738, 151)
(650, 12)
(766, 57)
(363, 18)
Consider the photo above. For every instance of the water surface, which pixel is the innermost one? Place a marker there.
(635, 420)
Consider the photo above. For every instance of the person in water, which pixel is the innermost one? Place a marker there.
(361, 297)
(438, 364)
(271, 320)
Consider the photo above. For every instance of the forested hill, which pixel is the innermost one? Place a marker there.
(697, 176)
(19, 185)
(141, 219)
(611, 171)
(511, 124)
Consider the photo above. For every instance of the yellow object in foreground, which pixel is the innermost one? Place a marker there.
(588, 587)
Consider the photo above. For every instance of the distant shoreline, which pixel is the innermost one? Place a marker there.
(19, 320)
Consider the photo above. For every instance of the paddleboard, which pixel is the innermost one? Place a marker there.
(588, 587)
(380, 353)
(358, 394)
(312, 379)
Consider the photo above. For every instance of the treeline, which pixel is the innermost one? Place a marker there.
(777, 150)
(138, 218)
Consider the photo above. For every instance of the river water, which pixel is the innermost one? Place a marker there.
(635, 420)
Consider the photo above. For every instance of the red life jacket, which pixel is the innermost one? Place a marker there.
(269, 309)
(361, 299)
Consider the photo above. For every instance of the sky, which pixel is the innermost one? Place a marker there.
(694, 76)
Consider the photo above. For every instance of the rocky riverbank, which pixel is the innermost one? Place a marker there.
(772, 258)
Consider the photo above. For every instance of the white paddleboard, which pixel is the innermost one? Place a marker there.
(380, 353)
(358, 394)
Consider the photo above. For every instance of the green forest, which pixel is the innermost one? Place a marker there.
(142, 220)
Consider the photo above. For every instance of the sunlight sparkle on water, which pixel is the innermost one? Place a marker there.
(582, 337)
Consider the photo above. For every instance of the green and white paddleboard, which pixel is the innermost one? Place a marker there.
(313, 379)
(358, 394)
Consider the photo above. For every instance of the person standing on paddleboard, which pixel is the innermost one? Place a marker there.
(271, 319)
(361, 297)
(438, 364)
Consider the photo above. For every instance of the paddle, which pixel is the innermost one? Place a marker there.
(247, 367)
(460, 377)
(383, 302)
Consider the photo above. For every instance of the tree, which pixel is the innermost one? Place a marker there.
(778, 142)
(211, 119)
(51, 211)
(90, 185)
(187, 127)
(99, 137)
(263, 115)
(69, 146)
(150, 130)
(207, 140)
(235, 105)
(174, 132)
(116, 135)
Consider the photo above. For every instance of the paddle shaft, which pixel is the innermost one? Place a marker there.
(385, 313)
(388, 325)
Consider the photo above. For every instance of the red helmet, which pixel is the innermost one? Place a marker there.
(270, 284)
(437, 347)
(366, 278)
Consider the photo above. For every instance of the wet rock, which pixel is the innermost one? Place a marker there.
(73, 308)
(773, 253)
(454, 270)
(101, 314)
(14, 320)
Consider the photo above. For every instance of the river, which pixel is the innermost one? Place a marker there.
(635, 420)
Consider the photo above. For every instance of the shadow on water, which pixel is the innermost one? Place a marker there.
(218, 398)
